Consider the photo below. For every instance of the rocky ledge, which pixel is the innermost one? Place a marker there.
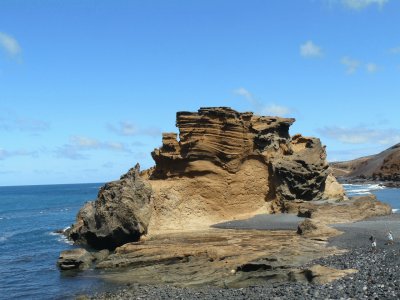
(225, 165)
(242, 252)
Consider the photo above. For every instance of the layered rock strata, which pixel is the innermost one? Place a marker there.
(223, 165)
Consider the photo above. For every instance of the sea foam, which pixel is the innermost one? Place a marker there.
(362, 189)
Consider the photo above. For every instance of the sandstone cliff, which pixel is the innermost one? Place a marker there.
(224, 165)
(384, 166)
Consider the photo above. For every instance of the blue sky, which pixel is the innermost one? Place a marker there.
(87, 87)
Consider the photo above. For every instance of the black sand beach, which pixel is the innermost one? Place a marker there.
(377, 276)
(264, 222)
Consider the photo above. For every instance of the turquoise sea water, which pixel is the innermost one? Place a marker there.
(29, 249)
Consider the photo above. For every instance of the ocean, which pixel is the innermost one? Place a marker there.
(390, 196)
(29, 248)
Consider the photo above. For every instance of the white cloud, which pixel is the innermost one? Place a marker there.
(81, 142)
(129, 129)
(261, 108)
(371, 67)
(124, 128)
(361, 4)
(70, 152)
(309, 49)
(10, 45)
(4, 154)
(351, 64)
(245, 93)
(84, 142)
(13, 122)
(362, 135)
(276, 110)
(79, 146)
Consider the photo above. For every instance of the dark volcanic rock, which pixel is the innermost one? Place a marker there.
(301, 175)
(120, 214)
(75, 259)
(306, 226)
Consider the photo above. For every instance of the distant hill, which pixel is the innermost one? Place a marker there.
(384, 166)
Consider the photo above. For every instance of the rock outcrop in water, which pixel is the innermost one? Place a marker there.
(120, 214)
(75, 259)
(224, 165)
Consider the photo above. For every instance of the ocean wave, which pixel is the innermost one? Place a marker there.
(362, 189)
(395, 210)
(61, 238)
(7, 235)
(376, 186)
(359, 193)
(64, 240)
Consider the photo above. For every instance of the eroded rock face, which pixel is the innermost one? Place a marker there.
(303, 174)
(120, 214)
(224, 165)
(227, 165)
(222, 136)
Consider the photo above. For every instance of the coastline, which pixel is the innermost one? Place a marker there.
(315, 275)
(376, 276)
(363, 181)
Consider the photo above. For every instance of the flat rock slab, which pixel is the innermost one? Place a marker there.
(216, 257)
(264, 222)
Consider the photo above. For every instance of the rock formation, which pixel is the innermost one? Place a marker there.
(224, 165)
(384, 166)
(75, 259)
(120, 214)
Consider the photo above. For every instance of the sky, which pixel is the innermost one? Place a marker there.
(88, 86)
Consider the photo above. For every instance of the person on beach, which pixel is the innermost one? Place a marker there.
(389, 236)
(373, 243)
